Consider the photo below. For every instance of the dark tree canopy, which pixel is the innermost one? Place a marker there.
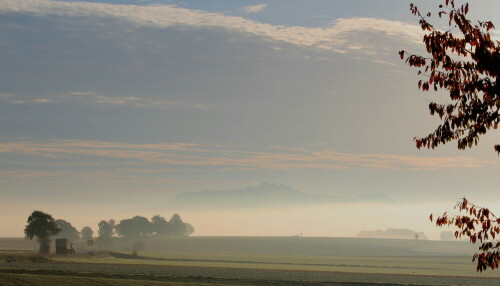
(138, 226)
(174, 227)
(160, 226)
(87, 233)
(67, 230)
(177, 225)
(106, 228)
(464, 61)
(41, 226)
(106, 232)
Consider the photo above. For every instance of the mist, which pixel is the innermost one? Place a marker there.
(327, 220)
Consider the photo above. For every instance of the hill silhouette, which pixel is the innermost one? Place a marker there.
(263, 196)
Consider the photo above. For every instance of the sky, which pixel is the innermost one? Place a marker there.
(109, 109)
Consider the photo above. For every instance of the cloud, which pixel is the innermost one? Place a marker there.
(254, 8)
(197, 156)
(383, 62)
(335, 37)
(102, 100)
(42, 100)
(85, 176)
(15, 99)
(82, 93)
(94, 98)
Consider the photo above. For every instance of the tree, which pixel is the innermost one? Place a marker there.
(189, 229)
(467, 66)
(42, 226)
(138, 226)
(174, 227)
(87, 233)
(67, 230)
(106, 228)
(160, 226)
(106, 232)
(177, 225)
(479, 224)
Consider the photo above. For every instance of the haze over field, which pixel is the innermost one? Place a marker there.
(116, 108)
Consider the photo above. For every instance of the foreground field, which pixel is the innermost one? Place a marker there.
(53, 273)
(442, 266)
(252, 261)
(7, 279)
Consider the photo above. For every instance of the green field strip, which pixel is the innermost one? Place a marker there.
(56, 278)
(235, 276)
(387, 265)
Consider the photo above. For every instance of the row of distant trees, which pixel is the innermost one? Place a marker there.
(43, 227)
(135, 227)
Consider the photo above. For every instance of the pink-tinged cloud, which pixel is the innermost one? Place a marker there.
(189, 156)
(86, 176)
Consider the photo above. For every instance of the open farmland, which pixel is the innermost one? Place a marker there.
(16, 244)
(77, 279)
(302, 246)
(259, 261)
(230, 276)
(448, 266)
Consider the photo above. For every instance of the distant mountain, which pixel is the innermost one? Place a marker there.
(263, 195)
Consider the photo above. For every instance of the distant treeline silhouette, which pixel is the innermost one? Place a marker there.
(140, 227)
(44, 227)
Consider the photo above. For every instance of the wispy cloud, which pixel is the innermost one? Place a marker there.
(93, 98)
(254, 8)
(339, 34)
(85, 176)
(16, 99)
(189, 155)
(99, 99)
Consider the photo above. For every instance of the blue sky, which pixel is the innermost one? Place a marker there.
(118, 106)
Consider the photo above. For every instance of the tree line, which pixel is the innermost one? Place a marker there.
(43, 227)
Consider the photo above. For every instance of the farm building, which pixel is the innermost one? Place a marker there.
(64, 246)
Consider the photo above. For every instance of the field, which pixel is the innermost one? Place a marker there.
(252, 261)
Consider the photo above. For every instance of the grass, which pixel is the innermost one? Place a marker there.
(75, 269)
(446, 266)
(53, 273)
(7, 279)
(24, 258)
(253, 261)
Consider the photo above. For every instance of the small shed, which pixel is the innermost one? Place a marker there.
(64, 246)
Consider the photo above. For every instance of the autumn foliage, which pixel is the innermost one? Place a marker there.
(480, 225)
(464, 61)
